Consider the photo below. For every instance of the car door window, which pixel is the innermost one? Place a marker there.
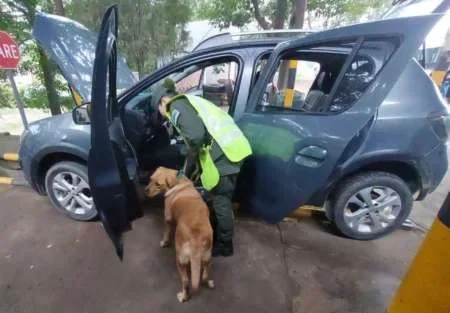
(219, 82)
(215, 80)
(368, 62)
(315, 80)
(190, 82)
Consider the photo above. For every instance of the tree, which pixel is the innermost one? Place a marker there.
(17, 18)
(283, 13)
(59, 8)
(148, 30)
(336, 12)
(225, 13)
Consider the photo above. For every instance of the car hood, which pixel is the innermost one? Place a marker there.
(58, 125)
(72, 47)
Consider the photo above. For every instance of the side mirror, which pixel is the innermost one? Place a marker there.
(80, 115)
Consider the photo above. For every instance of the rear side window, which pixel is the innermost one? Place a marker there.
(302, 81)
(370, 59)
(323, 79)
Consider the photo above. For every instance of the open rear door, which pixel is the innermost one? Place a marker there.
(299, 152)
(112, 162)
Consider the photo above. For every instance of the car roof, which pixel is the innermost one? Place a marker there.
(271, 37)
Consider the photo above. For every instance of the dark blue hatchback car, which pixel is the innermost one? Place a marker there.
(345, 119)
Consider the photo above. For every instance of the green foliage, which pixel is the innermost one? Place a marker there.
(225, 13)
(16, 17)
(336, 12)
(35, 95)
(6, 96)
(148, 30)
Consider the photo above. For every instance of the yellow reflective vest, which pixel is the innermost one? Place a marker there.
(224, 132)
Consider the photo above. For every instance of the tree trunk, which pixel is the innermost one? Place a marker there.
(296, 21)
(298, 14)
(280, 14)
(49, 83)
(309, 19)
(59, 8)
(139, 67)
(258, 16)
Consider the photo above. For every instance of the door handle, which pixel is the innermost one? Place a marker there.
(311, 156)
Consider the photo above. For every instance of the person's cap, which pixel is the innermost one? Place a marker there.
(167, 89)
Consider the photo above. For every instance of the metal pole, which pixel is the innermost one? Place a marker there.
(19, 103)
(426, 286)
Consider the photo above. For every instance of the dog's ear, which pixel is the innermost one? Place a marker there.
(171, 180)
(156, 173)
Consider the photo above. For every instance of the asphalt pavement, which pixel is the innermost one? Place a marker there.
(49, 263)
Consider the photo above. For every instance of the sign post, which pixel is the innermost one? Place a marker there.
(9, 60)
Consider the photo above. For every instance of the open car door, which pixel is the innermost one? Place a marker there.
(112, 162)
(299, 152)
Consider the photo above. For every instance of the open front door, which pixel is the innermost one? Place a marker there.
(304, 130)
(112, 163)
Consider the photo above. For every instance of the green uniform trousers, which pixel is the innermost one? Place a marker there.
(221, 196)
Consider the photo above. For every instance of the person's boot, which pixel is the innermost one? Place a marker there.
(222, 248)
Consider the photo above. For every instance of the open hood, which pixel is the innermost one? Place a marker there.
(72, 47)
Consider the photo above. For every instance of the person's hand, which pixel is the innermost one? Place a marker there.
(163, 106)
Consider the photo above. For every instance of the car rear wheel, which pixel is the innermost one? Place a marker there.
(370, 205)
(68, 188)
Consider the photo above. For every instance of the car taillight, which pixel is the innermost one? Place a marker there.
(441, 125)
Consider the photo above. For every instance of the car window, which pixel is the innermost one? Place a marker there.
(302, 81)
(305, 80)
(215, 80)
(190, 82)
(367, 63)
(219, 82)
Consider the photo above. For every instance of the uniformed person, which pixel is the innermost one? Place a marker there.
(215, 145)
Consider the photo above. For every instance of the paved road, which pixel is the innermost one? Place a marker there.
(49, 263)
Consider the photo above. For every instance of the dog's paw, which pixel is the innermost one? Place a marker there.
(210, 284)
(164, 243)
(182, 297)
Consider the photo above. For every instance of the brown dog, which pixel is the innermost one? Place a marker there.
(185, 210)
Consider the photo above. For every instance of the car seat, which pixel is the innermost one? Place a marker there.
(317, 96)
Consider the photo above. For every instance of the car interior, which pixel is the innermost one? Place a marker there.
(315, 72)
(155, 142)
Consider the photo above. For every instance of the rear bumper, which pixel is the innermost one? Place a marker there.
(435, 166)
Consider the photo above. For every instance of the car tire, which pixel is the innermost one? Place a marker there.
(67, 187)
(387, 204)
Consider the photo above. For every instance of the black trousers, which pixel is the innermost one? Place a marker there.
(221, 200)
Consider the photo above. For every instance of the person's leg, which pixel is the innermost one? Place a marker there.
(223, 211)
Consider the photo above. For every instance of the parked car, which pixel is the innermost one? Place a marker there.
(362, 132)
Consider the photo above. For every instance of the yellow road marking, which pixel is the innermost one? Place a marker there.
(11, 156)
(6, 180)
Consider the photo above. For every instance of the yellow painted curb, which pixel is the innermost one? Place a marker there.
(6, 180)
(11, 157)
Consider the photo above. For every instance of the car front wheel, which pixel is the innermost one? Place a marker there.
(370, 205)
(67, 187)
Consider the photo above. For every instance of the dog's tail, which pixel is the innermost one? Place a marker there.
(196, 268)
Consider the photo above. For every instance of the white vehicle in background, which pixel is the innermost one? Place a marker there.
(434, 55)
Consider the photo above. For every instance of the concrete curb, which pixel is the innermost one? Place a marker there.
(10, 156)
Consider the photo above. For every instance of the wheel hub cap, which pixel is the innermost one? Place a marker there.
(372, 209)
(73, 193)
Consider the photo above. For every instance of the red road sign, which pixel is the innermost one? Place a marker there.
(9, 52)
